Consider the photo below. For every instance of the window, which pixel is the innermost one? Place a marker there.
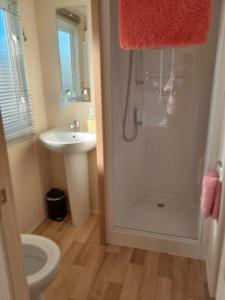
(15, 102)
(68, 40)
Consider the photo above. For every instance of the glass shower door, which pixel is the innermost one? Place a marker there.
(157, 177)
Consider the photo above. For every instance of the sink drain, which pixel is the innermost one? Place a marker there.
(161, 205)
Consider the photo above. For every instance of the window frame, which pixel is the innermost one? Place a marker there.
(18, 124)
(66, 25)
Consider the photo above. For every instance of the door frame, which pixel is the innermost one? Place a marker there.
(8, 216)
(10, 232)
(97, 85)
(215, 123)
(213, 231)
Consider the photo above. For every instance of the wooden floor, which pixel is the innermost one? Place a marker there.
(90, 271)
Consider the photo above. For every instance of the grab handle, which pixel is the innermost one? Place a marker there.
(137, 117)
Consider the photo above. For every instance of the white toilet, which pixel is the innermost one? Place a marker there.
(41, 260)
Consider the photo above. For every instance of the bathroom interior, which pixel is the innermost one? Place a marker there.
(125, 136)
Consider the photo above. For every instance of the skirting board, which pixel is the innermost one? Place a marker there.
(211, 282)
(189, 248)
(38, 224)
(94, 212)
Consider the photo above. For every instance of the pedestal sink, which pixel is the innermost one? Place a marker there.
(74, 147)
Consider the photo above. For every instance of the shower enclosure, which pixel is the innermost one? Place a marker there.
(157, 177)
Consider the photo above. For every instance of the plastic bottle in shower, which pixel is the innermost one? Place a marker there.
(91, 122)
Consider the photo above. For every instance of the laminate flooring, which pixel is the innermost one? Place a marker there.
(91, 271)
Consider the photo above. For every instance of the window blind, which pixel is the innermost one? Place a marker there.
(69, 43)
(15, 101)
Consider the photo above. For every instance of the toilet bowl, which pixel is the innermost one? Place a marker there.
(41, 260)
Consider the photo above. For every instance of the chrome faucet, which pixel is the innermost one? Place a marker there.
(75, 125)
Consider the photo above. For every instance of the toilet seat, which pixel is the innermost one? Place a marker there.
(34, 259)
(45, 250)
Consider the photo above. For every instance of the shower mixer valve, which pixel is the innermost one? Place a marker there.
(147, 75)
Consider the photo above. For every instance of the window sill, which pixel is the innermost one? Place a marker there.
(21, 139)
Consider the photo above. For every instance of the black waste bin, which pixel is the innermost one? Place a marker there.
(56, 203)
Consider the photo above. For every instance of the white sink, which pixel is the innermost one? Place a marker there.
(65, 141)
(74, 147)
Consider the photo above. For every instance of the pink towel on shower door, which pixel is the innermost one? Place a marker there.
(211, 194)
(217, 199)
(164, 23)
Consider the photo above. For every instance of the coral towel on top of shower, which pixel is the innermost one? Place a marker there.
(164, 23)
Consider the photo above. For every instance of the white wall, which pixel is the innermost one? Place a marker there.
(56, 115)
(29, 161)
(34, 170)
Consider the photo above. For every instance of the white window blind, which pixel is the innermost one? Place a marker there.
(69, 43)
(15, 102)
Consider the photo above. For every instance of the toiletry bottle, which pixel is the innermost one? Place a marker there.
(91, 122)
